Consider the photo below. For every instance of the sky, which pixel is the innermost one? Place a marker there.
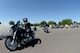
(39, 10)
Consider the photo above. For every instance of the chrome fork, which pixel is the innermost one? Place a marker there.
(13, 38)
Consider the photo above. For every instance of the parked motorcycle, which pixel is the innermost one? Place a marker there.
(18, 36)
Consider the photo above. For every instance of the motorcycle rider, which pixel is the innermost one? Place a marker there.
(45, 25)
(45, 28)
(27, 26)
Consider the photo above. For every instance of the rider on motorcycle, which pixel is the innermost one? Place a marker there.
(27, 26)
(21, 34)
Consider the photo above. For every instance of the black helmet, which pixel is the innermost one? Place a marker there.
(25, 20)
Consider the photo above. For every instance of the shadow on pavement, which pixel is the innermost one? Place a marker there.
(32, 43)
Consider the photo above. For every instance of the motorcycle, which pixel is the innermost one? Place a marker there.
(34, 28)
(46, 29)
(18, 37)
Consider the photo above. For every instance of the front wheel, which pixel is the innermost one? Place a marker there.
(11, 47)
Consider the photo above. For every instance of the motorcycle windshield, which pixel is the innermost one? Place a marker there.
(15, 26)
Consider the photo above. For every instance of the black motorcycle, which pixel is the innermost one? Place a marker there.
(18, 36)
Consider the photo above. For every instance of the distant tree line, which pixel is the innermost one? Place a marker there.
(63, 22)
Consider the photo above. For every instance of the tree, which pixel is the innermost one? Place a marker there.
(38, 24)
(66, 21)
(31, 24)
(43, 22)
(79, 23)
(34, 24)
(60, 23)
(11, 22)
(52, 23)
(75, 22)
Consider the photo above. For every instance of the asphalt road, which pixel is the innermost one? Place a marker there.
(57, 41)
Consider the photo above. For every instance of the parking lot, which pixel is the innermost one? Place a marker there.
(57, 41)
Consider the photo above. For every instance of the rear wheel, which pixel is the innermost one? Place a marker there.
(9, 45)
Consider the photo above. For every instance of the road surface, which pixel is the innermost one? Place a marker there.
(57, 41)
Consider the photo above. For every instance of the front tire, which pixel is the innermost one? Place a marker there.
(11, 47)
